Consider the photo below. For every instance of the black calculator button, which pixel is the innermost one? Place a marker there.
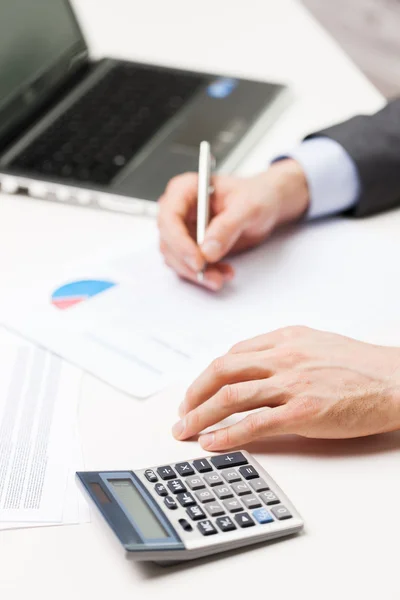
(186, 499)
(234, 459)
(269, 498)
(202, 465)
(160, 489)
(244, 520)
(170, 503)
(225, 524)
(206, 528)
(248, 472)
(150, 476)
(166, 472)
(184, 469)
(196, 513)
(259, 485)
(176, 486)
(281, 512)
(185, 525)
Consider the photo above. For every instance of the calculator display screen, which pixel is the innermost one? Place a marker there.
(133, 502)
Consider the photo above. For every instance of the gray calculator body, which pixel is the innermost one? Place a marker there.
(187, 510)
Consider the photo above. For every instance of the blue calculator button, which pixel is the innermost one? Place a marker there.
(262, 515)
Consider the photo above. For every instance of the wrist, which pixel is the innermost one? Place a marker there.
(289, 182)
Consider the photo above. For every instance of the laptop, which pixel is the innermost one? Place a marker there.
(107, 133)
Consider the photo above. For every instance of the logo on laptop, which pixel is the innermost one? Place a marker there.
(222, 88)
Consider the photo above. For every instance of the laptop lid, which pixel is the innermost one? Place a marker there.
(41, 46)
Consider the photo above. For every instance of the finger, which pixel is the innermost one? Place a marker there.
(174, 209)
(225, 229)
(268, 422)
(224, 269)
(269, 340)
(231, 399)
(226, 370)
(213, 279)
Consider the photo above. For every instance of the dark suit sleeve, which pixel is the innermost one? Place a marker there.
(373, 142)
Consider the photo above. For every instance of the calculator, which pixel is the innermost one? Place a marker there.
(186, 510)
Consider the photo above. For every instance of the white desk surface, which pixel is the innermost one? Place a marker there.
(348, 492)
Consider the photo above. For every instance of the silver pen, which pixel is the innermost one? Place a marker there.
(204, 190)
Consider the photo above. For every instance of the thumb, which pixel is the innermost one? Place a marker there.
(224, 231)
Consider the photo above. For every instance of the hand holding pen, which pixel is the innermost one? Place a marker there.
(242, 214)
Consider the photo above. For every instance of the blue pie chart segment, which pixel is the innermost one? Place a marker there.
(78, 291)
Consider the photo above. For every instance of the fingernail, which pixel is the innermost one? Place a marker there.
(210, 283)
(191, 262)
(207, 440)
(211, 249)
(178, 429)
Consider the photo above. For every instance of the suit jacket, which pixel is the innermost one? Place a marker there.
(373, 142)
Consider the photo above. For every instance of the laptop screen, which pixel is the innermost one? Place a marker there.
(35, 35)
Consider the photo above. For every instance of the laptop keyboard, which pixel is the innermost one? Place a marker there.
(95, 138)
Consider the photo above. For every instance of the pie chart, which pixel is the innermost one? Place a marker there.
(78, 291)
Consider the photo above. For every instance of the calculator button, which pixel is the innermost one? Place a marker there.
(185, 525)
(214, 509)
(184, 469)
(186, 499)
(166, 472)
(176, 486)
(259, 485)
(269, 498)
(241, 488)
(205, 496)
(150, 476)
(170, 503)
(262, 515)
(206, 528)
(202, 465)
(281, 512)
(231, 476)
(224, 461)
(213, 479)
(244, 520)
(195, 483)
(196, 513)
(160, 489)
(251, 501)
(225, 524)
(223, 491)
(232, 505)
(248, 472)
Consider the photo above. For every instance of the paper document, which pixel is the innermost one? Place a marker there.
(128, 319)
(39, 447)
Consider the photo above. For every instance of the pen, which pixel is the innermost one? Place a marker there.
(204, 189)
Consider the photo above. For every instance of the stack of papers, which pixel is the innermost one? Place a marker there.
(39, 446)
